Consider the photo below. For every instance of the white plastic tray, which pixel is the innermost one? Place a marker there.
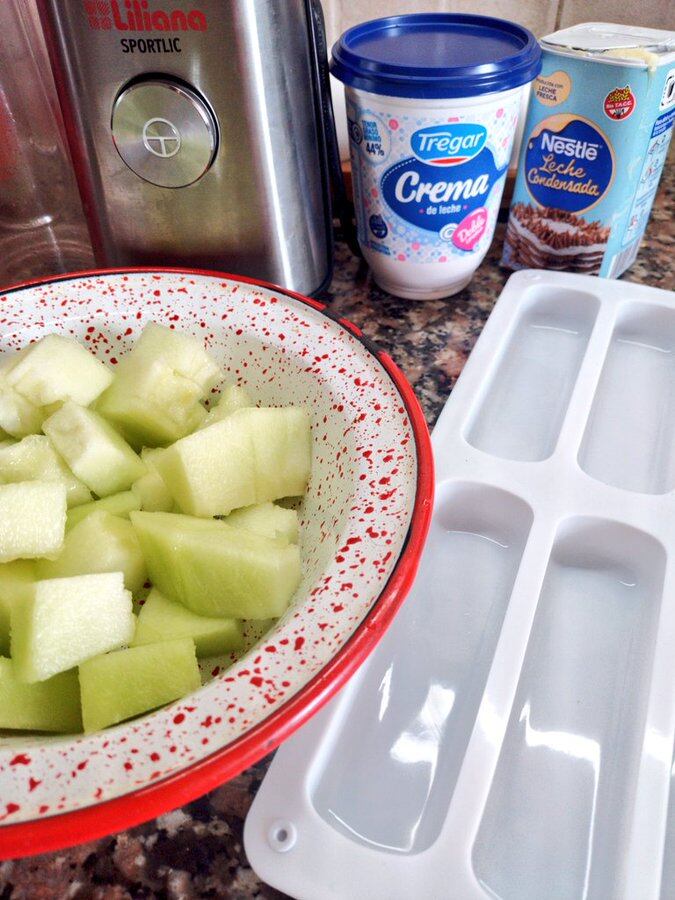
(512, 735)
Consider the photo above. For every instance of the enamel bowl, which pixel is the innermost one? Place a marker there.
(363, 525)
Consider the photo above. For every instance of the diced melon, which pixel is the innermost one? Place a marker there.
(93, 449)
(231, 399)
(65, 621)
(282, 448)
(210, 472)
(5, 620)
(152, 492)
(51, 705)
(101, 542)
(215, 569)
(16, 579)
(194, 420)
(51, 408)
(120, 685)
(255, 629)
(150, 455)
(184, 353)
(58, 368)
(251, 456)
(150, 404)
(118, 504)
(35, 459)
(18, 416)
(267, 519)
(161, 619)
(151, 489)
(32, 519)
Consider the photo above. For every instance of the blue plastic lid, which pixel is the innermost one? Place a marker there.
(431, 55)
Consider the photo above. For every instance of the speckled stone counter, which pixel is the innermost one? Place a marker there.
(196, 852)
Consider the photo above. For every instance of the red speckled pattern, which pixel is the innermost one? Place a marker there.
(354, 520)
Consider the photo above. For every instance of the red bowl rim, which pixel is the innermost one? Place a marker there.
(144, 803)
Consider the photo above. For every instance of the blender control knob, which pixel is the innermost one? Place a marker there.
(164, 131)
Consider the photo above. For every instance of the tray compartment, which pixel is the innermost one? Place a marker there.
(523, 408)
(630, 435)
(391, 788)
(556, 820)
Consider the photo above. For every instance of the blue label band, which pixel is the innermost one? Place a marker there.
(430, 198)
(569, 164)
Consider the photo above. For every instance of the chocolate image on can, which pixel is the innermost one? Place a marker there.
(547, 238)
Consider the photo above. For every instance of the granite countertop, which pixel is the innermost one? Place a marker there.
(196, 852)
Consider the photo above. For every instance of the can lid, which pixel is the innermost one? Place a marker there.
(616, 44)
(429, 55)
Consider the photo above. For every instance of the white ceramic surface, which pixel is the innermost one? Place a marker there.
(354, 523)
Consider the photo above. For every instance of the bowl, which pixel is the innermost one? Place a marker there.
(363, 525)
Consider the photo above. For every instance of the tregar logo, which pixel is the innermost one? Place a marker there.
(136, 16)
(448, 145)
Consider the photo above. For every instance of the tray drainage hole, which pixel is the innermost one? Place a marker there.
(282, 835)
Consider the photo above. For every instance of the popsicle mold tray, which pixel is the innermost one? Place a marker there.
(512, 736)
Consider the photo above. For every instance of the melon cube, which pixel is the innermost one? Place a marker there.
(153, 493)
(255, 629)
(184, 353)
(51, 705)
(210, 472)
(118, 504)
(35, 459)
(150, 403)
(58, 368)
(150, 455)
(93, 449)
(267, 519)
(251, 456)
(65, 621)
(282, 449)
(101, 542)
(151, 489)
(215, 569)
(16, 579)
(120, 685)
(32, 519)
(18, 416)
(231, 399)
(161, 619)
